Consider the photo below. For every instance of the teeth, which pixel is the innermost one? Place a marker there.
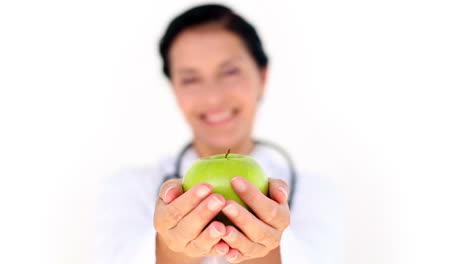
(219, 116)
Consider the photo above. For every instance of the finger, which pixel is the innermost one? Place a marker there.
(235, 239)
(279, 190)
(234, 256)
(266, 209)
(170, 190)
(208, 239)
(193, 223)
(172, 213)
(220, 249)
(253, 228)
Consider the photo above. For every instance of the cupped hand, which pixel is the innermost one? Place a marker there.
(260, 230)
(181, 220)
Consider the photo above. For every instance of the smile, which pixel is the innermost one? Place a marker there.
(216, 118)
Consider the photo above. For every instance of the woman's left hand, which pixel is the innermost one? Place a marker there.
(261, 232)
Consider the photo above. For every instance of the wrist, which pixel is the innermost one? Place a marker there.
(164, 255)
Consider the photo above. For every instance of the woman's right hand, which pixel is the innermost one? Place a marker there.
(180, 220)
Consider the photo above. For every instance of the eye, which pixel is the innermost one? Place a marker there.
(231, 72)
(189, 80)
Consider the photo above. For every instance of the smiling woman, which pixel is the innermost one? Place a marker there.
(217, 70)
(217, 67)
(217, 84)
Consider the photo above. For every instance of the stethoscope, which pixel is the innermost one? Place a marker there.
(292, 170)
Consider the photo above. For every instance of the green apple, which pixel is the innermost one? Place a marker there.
(218, 170)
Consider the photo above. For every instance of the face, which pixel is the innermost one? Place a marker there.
(217, 84)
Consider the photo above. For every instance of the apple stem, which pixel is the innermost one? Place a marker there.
(229, 150)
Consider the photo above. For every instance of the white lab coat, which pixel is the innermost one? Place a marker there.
(126, 202)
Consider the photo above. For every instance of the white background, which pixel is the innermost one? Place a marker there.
(369, 93)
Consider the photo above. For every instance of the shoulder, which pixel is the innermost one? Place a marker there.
(132, 188)
(318, 205)
(317, 220)
(317, 197)
(126, 196)
(312, 187)
(125, 207)
(136, 180)
(129, 181)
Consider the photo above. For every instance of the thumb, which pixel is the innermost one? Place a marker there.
(170, 190)
(279, 190)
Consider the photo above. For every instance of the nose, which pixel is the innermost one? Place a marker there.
(212, 94)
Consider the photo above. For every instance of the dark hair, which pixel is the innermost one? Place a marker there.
(212, 13)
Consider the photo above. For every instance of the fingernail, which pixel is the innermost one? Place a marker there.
(214, 232)
(228, 236)
(222, 250)
(283, 190)
(214, 203)
(231, 210)
(232, 256)
(203, 191)
(239, 184)
(167, 191)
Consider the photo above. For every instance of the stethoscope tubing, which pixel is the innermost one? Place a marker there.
(286, 156)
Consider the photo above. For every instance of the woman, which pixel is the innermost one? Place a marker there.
(217, 68)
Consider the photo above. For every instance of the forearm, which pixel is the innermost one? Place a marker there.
(165, 255)
(274, 257)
